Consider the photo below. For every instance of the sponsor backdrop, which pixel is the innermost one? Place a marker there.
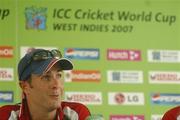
(126, 53)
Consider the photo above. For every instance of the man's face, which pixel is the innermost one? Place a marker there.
(46, 90)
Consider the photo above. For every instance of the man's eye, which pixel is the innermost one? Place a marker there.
(46, 77)
(59, 75)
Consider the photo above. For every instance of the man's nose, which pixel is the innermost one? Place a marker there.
(56, 82)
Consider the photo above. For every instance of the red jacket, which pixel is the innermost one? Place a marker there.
(73, 110)
(172, 114)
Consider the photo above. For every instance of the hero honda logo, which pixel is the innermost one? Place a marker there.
(125, 55)
(127, 117)
(82, 53)
(36, 18)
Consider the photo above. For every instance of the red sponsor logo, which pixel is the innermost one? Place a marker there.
(127, 55)
(119, 98)
(86, 75)
(127, 117)
(6, 51)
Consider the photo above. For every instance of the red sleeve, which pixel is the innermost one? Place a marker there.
(5, 111)
(83, 112)
(172, 114)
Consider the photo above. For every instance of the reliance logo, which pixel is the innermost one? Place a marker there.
(82, 76)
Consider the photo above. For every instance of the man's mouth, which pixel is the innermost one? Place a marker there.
(55, 96)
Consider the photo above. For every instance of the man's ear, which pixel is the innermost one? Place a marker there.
(24, 86)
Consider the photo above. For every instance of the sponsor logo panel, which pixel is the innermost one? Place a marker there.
(6, 96)
(6, 51)
(164, 77)
(127, 117)
(82, 76)
(117, 76)
(6, 74)
(125, 55)
(27, 49)
(82, 53)
(88, 98)
(125, 98)
(165, 99)
(168, 56)
(35, 18)
(156, 117)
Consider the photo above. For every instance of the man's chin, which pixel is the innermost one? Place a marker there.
(54, 105)
(54, 101)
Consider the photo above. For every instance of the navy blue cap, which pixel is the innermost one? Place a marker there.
(26, 66)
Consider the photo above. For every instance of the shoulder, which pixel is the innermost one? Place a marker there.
(6, 110)
(172, 114)
(81, 110)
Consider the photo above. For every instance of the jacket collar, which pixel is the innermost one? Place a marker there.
(24, 113)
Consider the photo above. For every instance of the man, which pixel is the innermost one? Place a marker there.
(172, 114)
(40, 75)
